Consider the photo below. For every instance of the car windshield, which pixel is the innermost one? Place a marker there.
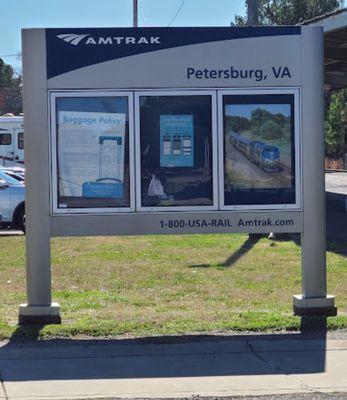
(18, 177)
(8, 178)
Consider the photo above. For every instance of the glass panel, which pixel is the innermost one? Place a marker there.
(5, 139)
(176, 150)
(20, 141)
(93, 152)
(259, 151)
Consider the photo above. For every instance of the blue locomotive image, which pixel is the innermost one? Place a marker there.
(266, 156)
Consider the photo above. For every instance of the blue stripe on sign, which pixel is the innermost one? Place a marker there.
(73, 48)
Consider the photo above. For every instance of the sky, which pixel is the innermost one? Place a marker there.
(18, 14)
(245, 110)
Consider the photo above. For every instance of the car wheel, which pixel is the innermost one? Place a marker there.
(21, 219)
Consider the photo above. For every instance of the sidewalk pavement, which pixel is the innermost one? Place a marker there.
(192, 366)
(336, 182)
(10, 232)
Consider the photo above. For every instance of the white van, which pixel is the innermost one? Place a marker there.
(11, 141)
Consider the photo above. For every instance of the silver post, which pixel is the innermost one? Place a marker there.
(314, 299)
(39, 308)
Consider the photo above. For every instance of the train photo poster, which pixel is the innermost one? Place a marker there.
(176, 141)
(259, 149)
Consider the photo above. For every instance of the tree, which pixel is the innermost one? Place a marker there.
(270, 130)
(238, 124)
(10, 90)
(8, 77)
(290, 12)
(258, 118)
(335, 131)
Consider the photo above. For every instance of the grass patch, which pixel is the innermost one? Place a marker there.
(167, 285)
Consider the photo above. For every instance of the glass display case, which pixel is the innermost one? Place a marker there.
(176, 151)
(92, 152)
(259, 150)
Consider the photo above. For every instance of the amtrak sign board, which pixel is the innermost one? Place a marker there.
(174, 130)
(199, 134)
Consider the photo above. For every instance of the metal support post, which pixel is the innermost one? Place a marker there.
(39, 309)
(314, 299)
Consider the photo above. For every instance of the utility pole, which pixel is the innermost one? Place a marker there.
(135, 23)
(252, 12)
(253, 19)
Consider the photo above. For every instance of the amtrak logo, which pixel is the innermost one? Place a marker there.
(76, 39)
(72, 38)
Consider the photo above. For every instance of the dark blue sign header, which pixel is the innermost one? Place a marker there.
(71, 48)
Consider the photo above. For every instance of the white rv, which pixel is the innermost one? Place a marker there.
(11, 141)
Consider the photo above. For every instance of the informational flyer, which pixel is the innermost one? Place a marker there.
(176, 141)
(91, 154)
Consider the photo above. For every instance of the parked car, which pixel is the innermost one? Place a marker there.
(17, 173)
(12, 197)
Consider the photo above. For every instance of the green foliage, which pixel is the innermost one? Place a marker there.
(7, 76)
(262, 122)
(6, 73)
(270, 130)
(286, 131)
(10, 90)
(335, 132)
(237, 124)
(290, 12)
(239, 20)
(258, 118)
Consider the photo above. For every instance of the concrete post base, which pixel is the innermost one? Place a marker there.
(314, 306)
(39, 314)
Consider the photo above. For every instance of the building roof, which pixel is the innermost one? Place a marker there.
(335, 46)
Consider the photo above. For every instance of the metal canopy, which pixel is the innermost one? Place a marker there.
(335, 47)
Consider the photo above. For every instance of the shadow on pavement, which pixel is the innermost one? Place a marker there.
(159, 357)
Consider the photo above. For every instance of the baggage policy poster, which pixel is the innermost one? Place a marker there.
(90, 147)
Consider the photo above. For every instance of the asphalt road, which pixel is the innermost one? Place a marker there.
(336, 213)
